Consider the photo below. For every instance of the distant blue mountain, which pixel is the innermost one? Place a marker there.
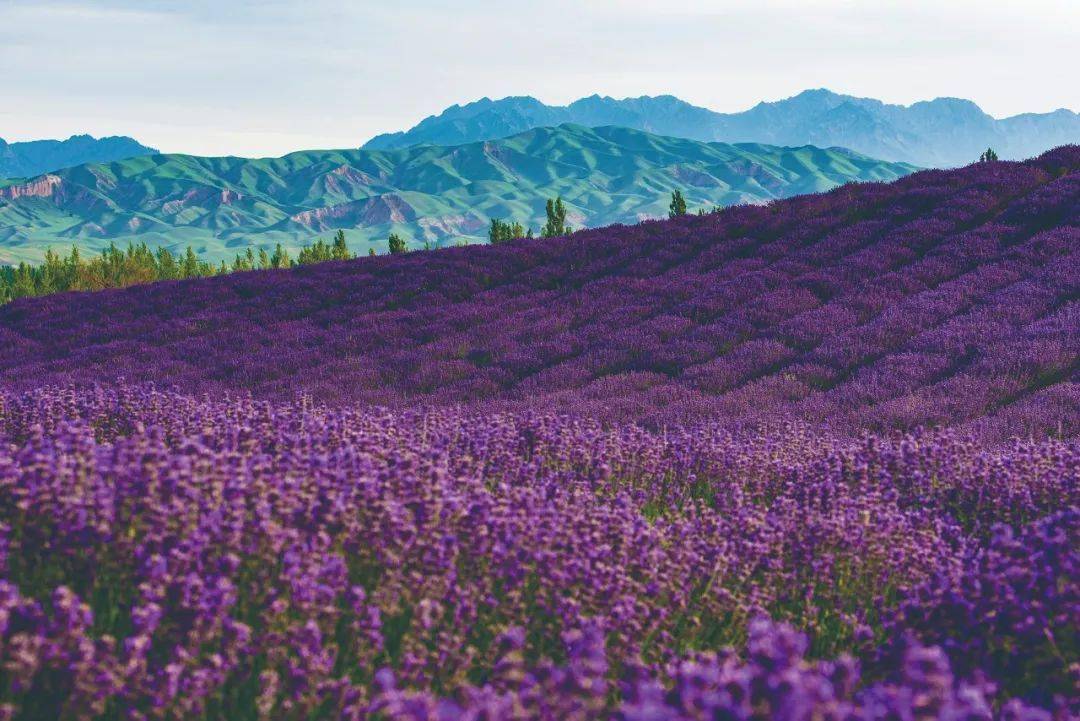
(936, 133)
(24, 160)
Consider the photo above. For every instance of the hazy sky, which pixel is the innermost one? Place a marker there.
(263, 78)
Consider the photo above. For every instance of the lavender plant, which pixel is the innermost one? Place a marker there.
(170, 557)
(812, 460)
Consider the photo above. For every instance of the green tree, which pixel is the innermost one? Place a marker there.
(280, 258)
(116, 268)
(677, 206)
(167, 268)
(502, 231)
(396, 244)
(340, 250)
(988, 156)
(245, 261)
(556, 219)
(23, 285)
(189, 266)
(138, 266)
(317, 253)
(74, 262)
(7, 278)
(496, 234)
(52, 275)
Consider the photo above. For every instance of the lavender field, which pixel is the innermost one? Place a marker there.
(818, 459)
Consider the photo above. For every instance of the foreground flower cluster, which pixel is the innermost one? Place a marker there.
(166, 557)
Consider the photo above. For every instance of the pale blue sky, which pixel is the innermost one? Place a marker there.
(264, 78)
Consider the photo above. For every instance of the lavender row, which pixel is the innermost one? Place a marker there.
(946, 298)
(170, 557)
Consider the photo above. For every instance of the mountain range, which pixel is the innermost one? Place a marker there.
(429, 194)
(24, 160)
(943, 132)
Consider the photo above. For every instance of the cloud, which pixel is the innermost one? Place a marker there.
(266, 77)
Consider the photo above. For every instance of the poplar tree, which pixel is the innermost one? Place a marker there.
(340, 250)
(189, 267)
(556, 219)
(280, 258)
(678, 205)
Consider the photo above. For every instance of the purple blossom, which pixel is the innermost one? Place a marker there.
(810, 460)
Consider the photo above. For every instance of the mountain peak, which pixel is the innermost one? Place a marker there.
(952, 104)
(36, 157)
(936, 133)
(813, 99)
(817, 93)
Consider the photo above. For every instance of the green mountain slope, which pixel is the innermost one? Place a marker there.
(433, 194)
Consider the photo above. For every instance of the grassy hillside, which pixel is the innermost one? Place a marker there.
(431, 195)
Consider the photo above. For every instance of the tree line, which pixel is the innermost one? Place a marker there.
(501, 231)
(119, 268)
(555, 225)
(116, 268)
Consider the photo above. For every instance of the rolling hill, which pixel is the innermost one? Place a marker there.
(944, 132)
(437, 195)
(27, 159)
(946, 297)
